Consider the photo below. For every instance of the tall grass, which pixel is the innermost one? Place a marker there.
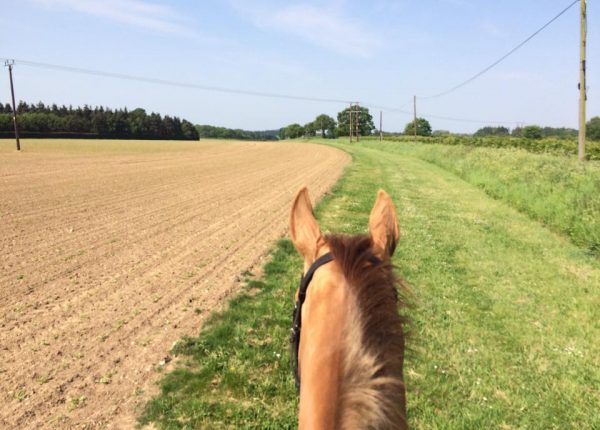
(556, 190)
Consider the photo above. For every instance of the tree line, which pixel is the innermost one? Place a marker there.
(423, 128)
(530, 132)
(327, 127)
(39, 120)
(209, 131)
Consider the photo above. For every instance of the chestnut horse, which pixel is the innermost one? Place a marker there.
(351, 348)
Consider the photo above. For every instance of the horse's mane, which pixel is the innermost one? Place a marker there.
(372, 394)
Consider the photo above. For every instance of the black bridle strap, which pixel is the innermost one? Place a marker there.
(297, 318)
(321, 261)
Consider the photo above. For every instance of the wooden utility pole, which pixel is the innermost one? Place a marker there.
(582, 89)
(350, 123)
(357, 121)
(9, 64)
(415, 115)
(380, 124)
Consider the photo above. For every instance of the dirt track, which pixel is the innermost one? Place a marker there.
(110, 255)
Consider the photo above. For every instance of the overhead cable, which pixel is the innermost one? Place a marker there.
(174, 83)
(166, 82)
(498, 61)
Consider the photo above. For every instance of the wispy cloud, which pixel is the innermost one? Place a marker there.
(325, 27)
(492, 29)
(458, 3)
(139, 13)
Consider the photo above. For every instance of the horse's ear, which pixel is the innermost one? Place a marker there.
(304, 229)
(383, 226)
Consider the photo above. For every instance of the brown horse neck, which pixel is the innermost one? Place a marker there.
(324, 315)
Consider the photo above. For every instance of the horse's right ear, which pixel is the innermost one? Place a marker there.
(304, 229)
(383, 226)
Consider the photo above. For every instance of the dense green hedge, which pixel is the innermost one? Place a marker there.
(553, 145)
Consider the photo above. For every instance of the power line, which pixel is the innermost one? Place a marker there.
(167, 82)
(478, 121)
(296, 97)
(387, 108)
(495, 63)
(172, 83)
(428, 115)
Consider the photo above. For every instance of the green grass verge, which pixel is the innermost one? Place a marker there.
(236, 373)
(505, 322)
(556, 190)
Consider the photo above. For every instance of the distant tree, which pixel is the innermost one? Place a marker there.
(593, 128)
(168, 127)
(532, 132)
(137, 123)
(492, 131)
(560, 132)
(310, 129)
(99, 123)
(294, 131)
(5, 122)
(118, 125)
(153, 127)
(188, 130)
(22, 107)
(209, 131)
(517, 132)
(423, 128)
(365, 121)
(325, 124)
(440, 133)
(282, 135)
(74, 123)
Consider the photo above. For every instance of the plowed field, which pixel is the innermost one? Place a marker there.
(111, 251)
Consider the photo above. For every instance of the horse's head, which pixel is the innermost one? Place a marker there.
(350, 350)
(308, 240)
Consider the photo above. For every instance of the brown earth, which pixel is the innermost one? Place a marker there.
(112, 251)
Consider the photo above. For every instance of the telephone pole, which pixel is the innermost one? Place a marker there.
(380, 124)
(582, 89)
(357, 121)
(354, 122)
(10, 64)
(350, 123)
(415, 115)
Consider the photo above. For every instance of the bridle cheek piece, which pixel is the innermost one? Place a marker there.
(297, 315)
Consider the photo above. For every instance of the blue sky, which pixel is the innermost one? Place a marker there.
(378, 52)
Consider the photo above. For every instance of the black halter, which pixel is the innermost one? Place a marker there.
(297, 316)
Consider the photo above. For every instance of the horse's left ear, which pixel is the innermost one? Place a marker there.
(383, 226)
(304, 229)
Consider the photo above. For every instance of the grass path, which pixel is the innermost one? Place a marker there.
(506, 320)
(556, 190)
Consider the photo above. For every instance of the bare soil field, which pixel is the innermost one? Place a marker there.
(111, 251)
